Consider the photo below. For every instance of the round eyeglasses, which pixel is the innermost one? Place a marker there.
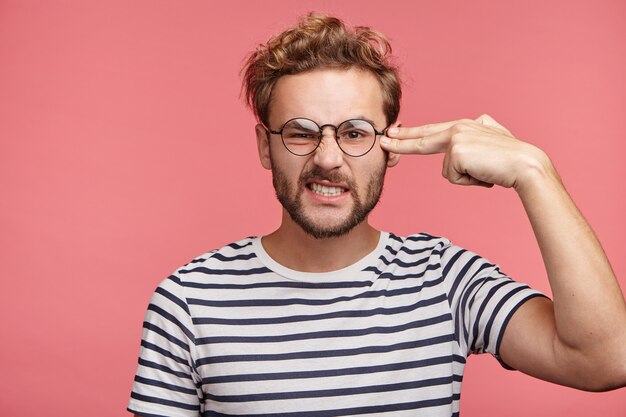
(302, 136)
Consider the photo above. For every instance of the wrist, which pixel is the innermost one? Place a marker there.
(536, 170)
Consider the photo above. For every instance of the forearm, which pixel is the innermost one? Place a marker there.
(589, 308)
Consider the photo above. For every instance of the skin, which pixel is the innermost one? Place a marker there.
(578, 339)
(325, 96)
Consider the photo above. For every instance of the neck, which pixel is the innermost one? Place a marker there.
(293, 248)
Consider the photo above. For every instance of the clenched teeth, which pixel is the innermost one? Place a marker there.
(326, 191)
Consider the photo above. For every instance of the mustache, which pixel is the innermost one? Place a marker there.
(316, 173)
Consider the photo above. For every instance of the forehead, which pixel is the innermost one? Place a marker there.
(327, 96)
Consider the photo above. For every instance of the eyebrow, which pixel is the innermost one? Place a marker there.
(363, 118)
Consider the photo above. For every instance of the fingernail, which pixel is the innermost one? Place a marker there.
(385, 140)
(393, 131)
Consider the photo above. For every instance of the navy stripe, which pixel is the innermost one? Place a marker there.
(165, 293)
(198, 260)
(158, 349)
(395, 277)
(505, 323)
(462, 307)
(452, 261)
(156, 329)
(241, 257)
(162, 384)
(310, 302)
(312, 317)
(144, 414)
(422, 237)
(390, 251)
(236, 245)
(325, 334)
(435, 402)
(337, 392)
(420, 250)
(496, 311)
(481, 310)
(286, 284)
(335, 372)
(458, 279)
(397, 261)
(396, 238)
(237, 272)
(172, 318)
(154, 365)
(326, 353)
(168, 403)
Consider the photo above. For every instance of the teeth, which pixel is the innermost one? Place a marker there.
(326, 191)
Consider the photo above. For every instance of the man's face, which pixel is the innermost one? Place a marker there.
(326, 193)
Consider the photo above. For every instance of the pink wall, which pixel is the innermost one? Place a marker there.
(125, 151)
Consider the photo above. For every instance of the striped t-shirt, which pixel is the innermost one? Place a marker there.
(235, 333)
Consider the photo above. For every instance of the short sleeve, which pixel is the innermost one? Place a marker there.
(166, 383)
(482, 300)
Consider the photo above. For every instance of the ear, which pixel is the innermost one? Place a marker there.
(393, 158)
(263, 146)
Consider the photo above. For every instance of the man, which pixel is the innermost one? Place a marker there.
(328, 316)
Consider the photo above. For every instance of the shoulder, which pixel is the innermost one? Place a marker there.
(419, 243)
(232, 255)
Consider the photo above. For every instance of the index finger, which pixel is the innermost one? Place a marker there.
(424, 130)
(426, 145)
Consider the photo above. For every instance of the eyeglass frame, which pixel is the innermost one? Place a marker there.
(321, 135)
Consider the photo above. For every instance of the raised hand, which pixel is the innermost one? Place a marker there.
(477, 152)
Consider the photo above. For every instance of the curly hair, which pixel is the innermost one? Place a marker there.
(320, 41)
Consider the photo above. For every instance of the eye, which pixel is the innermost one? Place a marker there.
(353, 134)
(293, 134)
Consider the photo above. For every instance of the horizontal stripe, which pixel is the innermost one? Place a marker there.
(237, 272)
(363, 370)
(385, 332)
(241, 257)
(180, 303)
(352, 411)
(279, 284)
(163, 352)
(170, 317)
(161, 384)
(143, 413)
(422, 237)
(495, 311)
(337, 392)
(315, 317)
(320, 354)
(403, 264)
(237, 245)
(310, 302)
(325, 334)
(169, 403)
(164, 334)
(401, 274)
(163, 368)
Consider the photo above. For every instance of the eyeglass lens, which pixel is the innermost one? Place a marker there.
(302, 136)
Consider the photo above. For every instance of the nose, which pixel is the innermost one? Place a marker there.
(328, 154)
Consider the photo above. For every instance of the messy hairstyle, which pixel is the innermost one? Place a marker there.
(320, 42)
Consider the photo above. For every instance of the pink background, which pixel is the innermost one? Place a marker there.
(125, 151)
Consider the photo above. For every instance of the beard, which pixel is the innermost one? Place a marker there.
(362, 205)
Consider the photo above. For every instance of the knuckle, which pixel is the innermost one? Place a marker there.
(456, 138)
(462, 126)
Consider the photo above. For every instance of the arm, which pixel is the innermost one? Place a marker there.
(578, 340)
